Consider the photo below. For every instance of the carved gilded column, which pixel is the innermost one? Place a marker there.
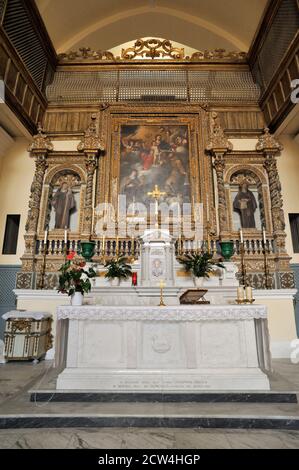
(218, 146)
(39, 149)
(219, 166)
(271, 149)
(91, 145)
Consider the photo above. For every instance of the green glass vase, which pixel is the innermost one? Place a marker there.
(87, 250)
(227, 250)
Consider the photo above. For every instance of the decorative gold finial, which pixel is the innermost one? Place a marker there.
(218, 140)
(267, 142)
(91, 141)
(41, 141)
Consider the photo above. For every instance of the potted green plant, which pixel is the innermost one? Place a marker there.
(117, 269)
(200, 265)
(74, 280)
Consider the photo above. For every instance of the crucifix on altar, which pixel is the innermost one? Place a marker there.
(156, 194)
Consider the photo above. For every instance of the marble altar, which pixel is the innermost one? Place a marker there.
(174, 348)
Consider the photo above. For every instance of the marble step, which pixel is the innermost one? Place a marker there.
(206, 397)
(24, 414)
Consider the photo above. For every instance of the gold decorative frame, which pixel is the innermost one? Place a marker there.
(192, 116)
(252, 163)
(58, 163)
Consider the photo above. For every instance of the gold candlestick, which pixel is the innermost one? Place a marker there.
(41, 283)
(116, 246)
(161, 285)
(243, 267)
(268, 280)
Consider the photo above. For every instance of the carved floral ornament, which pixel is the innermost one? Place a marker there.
(71, 179)
(153, 49)
(268, 143)
(241, 178)
(41, 142)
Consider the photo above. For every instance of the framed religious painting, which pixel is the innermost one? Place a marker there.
(162, 149)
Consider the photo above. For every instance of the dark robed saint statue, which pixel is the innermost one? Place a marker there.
(63, 203)
(245, 204)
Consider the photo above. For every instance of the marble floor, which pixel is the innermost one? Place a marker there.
(16, 379)
(150, 438)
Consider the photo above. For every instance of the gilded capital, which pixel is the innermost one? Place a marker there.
(268, 143)
(41, 142)
(91, 142)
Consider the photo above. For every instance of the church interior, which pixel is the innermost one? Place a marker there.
(149, 224)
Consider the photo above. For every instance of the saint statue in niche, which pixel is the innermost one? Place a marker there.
(245, 204)
(63, 203)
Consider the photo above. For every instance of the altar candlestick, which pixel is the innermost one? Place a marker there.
(161, 285)
(116, 247)
(241, 236)
(208, 214)
(209, 243)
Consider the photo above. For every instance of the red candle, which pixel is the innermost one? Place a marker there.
(134, 279)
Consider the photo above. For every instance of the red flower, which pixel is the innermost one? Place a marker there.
(82, 264)
(71, 255)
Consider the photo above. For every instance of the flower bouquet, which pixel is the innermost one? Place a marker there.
(74, 280)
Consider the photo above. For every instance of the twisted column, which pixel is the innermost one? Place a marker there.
(91, 145)
(219, 165)
(91, 163)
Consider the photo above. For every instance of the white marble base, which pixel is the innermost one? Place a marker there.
(176, 348)
(2, 358)
(163, 380)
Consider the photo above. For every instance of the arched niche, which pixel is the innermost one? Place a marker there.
(62, 213)
(246, 191)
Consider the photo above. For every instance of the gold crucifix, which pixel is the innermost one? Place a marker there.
(156, 194)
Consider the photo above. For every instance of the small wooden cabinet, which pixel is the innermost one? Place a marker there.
(27, 335)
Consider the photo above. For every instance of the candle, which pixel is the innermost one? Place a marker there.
(117, 240)
(240, 293)
(162, 284)
(103, 244)
(241, 236)
(264, 236)
(65, 236)
(134, 279)
(248, 292)
(133, 205)
(46, 236)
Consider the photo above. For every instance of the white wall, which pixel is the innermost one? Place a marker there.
(288, 167)
(16, 174)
